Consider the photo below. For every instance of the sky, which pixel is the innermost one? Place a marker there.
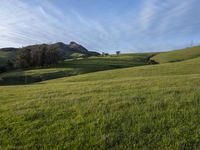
(102, 25)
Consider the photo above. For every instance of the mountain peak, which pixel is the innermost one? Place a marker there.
(76, 46)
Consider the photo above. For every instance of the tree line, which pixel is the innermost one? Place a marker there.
(37, 57)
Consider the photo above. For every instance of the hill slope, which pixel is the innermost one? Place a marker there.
(177, 55)
(146, 107)
(74, 67)
(191, 66)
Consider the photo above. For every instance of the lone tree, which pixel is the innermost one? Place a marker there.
(118, 52)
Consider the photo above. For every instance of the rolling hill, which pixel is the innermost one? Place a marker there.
(74, 67)
(144, 107)
(79, 66)
(191, 66)
(177, 55)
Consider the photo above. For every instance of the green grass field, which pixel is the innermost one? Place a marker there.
(144, 107)
(178, 55)
(73, 67)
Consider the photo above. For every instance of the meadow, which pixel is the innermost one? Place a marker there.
(99, 74)
(143, 107)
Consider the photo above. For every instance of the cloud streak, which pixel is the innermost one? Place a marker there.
(154, 25)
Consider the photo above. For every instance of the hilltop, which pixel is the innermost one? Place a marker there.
(67, 51)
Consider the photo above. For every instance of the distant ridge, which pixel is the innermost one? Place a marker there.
(8, 49)
(67, 51)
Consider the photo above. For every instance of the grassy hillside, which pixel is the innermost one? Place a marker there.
(177, 55)
(73, 67)
(179, 68)
(149, 107)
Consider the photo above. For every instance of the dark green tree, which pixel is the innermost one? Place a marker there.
(23, 58)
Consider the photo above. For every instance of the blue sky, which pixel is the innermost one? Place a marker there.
(101, 25)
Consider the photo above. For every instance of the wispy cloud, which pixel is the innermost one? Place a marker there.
(154, 25)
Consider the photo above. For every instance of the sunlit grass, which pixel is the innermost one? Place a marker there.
(178, 55)
(150, 107)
